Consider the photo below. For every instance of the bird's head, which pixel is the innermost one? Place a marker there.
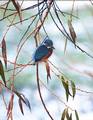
(48, 43)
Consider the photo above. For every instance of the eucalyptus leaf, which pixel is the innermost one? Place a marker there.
(21, 106)
(2, 73)
(4, 52)
(63, 115)
(76, 114)
(66, 86)
(70, 118)
(67, 114)
(73, 89)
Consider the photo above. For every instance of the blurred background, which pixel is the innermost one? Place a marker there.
(74, 64)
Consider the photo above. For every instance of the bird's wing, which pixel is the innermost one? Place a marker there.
(40, 52)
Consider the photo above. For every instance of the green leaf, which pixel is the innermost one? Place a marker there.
(70, 118)
(63, 115)
(73, 89)
(23, 99)
(76, 114)
(66, 86)
(21, 106)
(2, 73)
(27, 103)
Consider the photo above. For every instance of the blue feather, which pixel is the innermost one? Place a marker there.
(40, 52)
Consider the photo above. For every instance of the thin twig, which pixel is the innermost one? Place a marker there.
(28, 8)
(38, 85)
(68, 37)
(57, 97)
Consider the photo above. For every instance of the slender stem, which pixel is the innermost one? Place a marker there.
(38, 85)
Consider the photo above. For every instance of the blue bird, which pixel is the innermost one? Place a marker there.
(43, 51)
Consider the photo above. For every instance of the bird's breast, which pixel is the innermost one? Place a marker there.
(47, 56)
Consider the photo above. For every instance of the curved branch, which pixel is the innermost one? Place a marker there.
(38, 85)
(67, 35)
(28, 8)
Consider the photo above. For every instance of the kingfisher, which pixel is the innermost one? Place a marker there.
(43, 51)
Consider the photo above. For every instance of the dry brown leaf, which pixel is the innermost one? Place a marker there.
(72, 31)
(48, 71)
(65, 46)
(4, 52)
